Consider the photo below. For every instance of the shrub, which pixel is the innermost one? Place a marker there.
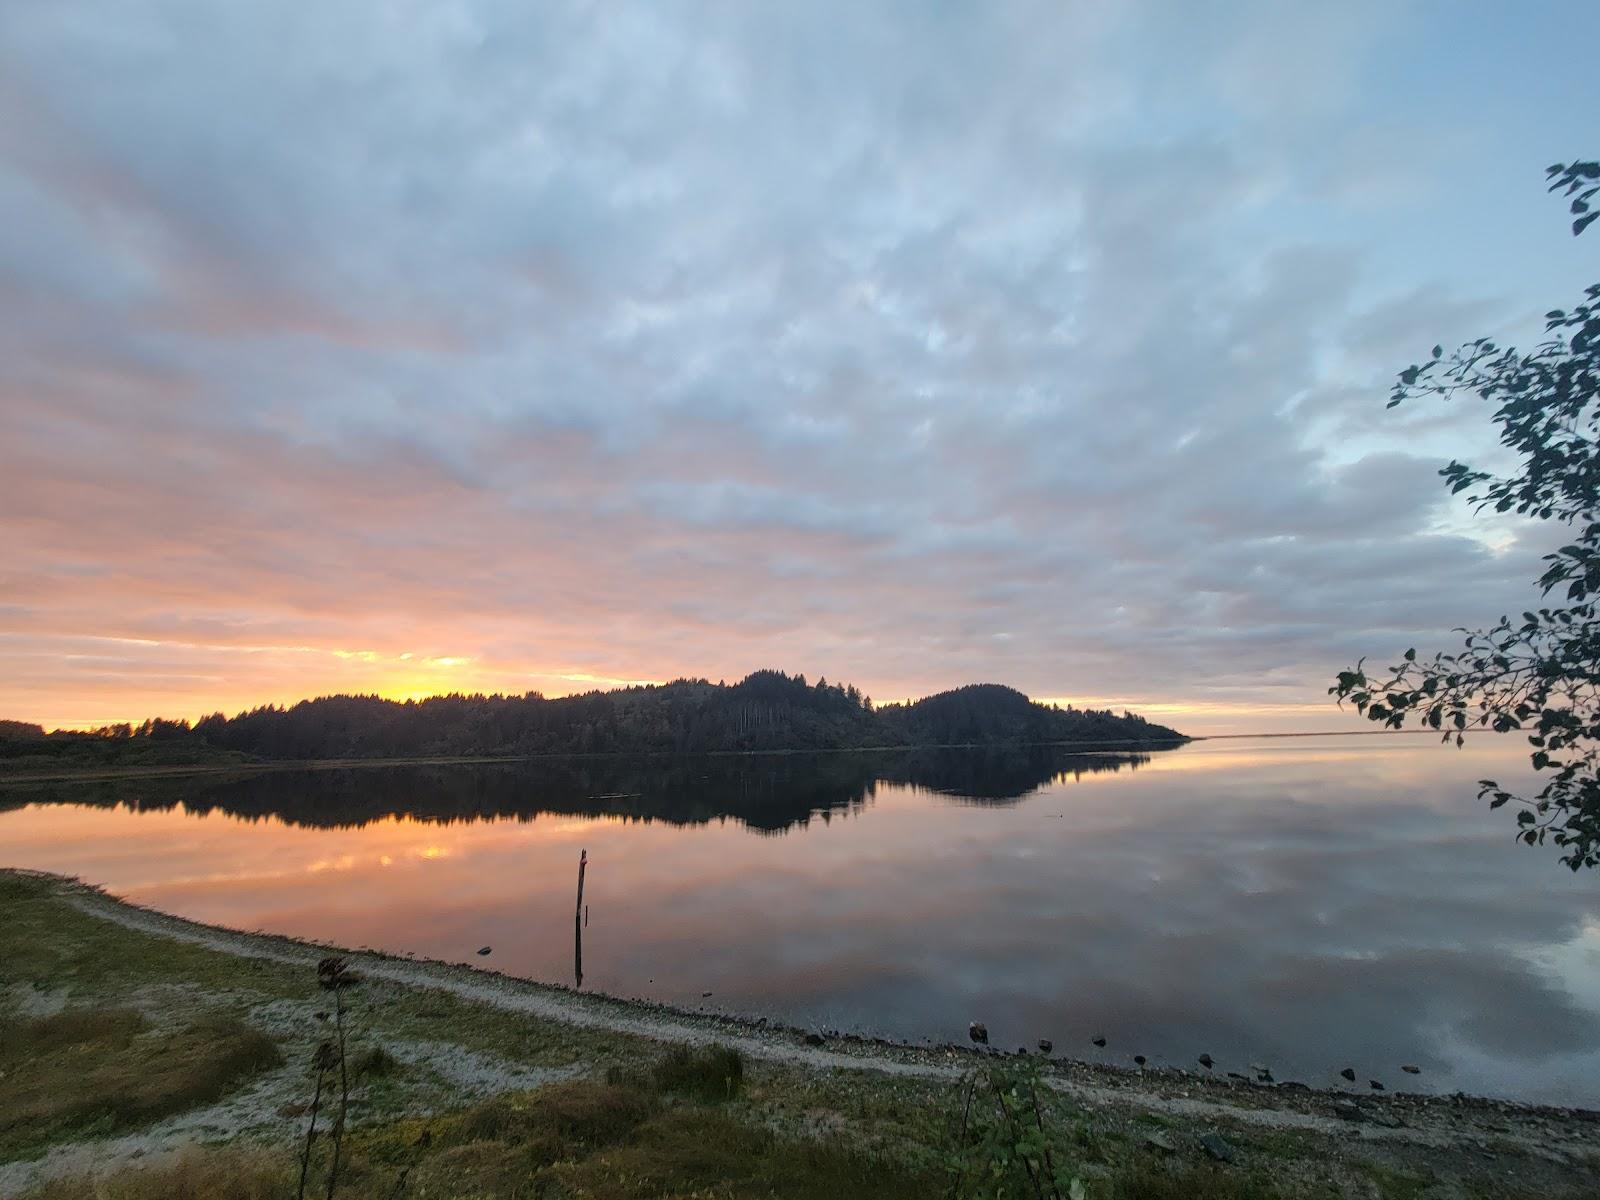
(708, 1073)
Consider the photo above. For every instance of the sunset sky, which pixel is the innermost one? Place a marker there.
(411, 348)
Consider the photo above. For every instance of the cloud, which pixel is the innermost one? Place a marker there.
(903, 346)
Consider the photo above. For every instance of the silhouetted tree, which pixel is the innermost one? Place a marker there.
(1539, 673)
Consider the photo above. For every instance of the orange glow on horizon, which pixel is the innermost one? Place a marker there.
(137, 678)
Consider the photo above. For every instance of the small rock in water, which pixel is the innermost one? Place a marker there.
(1046, 1045)
(813, 1039)
(1098, 1040)
(1349, 1074)
(705, 995)
(978, 1033)
(1160, 1141)
(486, 950)
(1205, 1061)
(1375, 1085)
(1218, 1148)
(1140, 1060)
(1411, 1069)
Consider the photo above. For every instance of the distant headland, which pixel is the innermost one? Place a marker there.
(765, 711)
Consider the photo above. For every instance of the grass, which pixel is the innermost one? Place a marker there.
(233, 1174)
(103, 1070)
(706, 1073)
(600, 1141)
(51, 945)
(702, 1151)
(1148, 1180)
(375, 1061)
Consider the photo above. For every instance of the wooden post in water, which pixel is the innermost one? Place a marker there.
(577, 922)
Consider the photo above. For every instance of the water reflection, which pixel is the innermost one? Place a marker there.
(767, 793)
(1308, 906)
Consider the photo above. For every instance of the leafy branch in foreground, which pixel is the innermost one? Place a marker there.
(1540, 674)
(1003, 1146)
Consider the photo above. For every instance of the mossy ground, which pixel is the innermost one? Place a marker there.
(163, 1025)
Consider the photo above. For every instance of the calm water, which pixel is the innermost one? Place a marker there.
(1310, 904)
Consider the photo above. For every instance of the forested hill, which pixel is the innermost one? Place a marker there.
(765, 711)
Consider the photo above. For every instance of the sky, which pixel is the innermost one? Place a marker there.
(423, 347)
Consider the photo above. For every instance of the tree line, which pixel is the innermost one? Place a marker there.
(767, 710)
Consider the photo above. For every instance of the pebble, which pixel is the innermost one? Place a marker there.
(1411, 1069)
(1046, 1045)
(1098, 1040)
(1205, 1061)
(487, 950)
(1349, 1074)
(1159, 1141)
(979, 1033)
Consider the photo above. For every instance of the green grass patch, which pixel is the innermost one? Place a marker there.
(374, 1062)
(710, 1074)
(103, 1070)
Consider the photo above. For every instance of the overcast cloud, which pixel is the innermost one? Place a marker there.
(420, 347)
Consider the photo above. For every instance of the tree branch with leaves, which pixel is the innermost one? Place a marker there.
(1541, 673)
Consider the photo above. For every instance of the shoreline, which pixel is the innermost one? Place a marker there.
(95, 773)
(758, 1036)
(459, 1036)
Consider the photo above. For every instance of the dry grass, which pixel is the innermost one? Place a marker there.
(697, 1151)
(560, 1120)
(194, 1175)
(90, 1071)
(594, 1140)
(1154, 1181)
(611, 1141)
